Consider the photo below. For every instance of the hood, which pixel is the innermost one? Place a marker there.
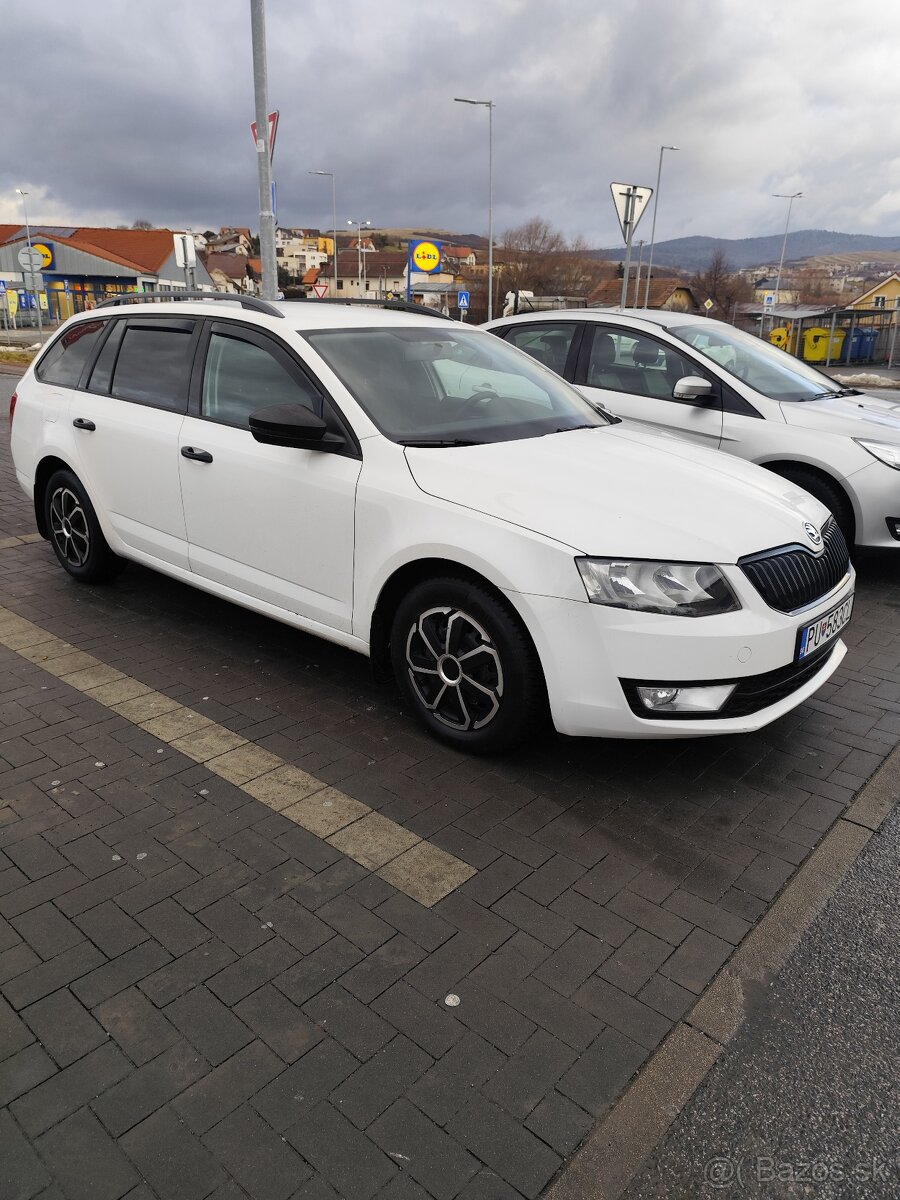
(618, 491)
(875, 417)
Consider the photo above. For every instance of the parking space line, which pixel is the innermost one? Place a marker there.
(26, 539)
(420, 870)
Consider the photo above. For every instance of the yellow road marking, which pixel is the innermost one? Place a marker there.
(413, 866)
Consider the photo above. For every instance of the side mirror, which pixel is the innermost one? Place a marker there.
(292, 425)
(692, 389)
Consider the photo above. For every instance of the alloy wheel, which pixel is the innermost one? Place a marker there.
(69, 527)
(454, 668)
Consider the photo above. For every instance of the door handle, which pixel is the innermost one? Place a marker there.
(81, 423)
(197, 455)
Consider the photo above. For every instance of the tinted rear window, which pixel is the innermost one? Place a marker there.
(65, 360)
(154, 364)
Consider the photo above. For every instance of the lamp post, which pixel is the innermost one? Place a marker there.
(359, 254)
(662, 151)
(330, 175)
(37, 297)
(269, 287)
(790, 199)
(490, 106)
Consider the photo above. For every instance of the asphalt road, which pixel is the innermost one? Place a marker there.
(805, 1101)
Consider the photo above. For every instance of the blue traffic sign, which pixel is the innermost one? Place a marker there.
(462, 299)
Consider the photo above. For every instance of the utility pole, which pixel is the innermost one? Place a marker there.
(35, 274)
(263, 154)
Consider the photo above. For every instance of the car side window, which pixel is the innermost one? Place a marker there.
(101, 374)
(634, 363)
(242, 376)
(66, 358)
(154, 363)
(547, 343)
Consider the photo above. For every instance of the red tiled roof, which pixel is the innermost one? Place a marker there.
(148, 249)
(142, 250)
(232, 265)
(610, 291)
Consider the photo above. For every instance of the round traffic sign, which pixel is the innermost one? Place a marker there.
(30, 259)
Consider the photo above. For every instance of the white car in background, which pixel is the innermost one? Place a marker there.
(420, 492)
(709, 383)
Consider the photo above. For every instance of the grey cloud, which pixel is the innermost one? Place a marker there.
(143, 110)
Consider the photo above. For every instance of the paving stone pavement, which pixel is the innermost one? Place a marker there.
(200, 997)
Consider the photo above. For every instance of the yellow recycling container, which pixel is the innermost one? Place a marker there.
(780, 337)
(816, 347)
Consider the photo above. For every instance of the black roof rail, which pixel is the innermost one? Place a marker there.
(397, 305)
(252, 302)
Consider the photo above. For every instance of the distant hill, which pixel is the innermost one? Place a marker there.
(694, 253)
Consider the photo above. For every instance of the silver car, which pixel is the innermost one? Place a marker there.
(709, 383)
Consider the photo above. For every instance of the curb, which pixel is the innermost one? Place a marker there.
(624, 1139)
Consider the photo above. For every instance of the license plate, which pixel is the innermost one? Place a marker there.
(824, 629)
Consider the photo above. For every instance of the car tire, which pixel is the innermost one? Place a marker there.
(829, 494)
(466, 666)
(74, 531)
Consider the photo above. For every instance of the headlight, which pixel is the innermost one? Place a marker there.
(680, 589)
(886, 452)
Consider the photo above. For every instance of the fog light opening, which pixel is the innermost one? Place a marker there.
(662, 698)
(658, 697)
(893, 524)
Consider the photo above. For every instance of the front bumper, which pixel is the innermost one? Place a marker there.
(588, 650)
(876, 498)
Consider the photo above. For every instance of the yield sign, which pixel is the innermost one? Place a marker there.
(630, 200)
(320, 290)
(273, 126)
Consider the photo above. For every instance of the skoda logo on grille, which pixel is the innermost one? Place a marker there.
(812, 533)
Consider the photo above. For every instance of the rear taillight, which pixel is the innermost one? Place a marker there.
(12, 406)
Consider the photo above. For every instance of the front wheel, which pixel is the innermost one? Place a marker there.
(829, 494)
(466, 666)
(74, 531)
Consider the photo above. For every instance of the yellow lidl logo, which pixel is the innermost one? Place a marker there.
(425, 256)
(46, 253)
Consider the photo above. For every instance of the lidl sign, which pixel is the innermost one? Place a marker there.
(45, 249)
(424, 256)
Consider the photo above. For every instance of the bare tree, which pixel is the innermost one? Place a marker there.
(537, 257)
(142, 223)
(720, 284)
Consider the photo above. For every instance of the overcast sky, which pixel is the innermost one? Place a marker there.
(117, 110)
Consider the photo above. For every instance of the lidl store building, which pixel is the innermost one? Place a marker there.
(83, 266)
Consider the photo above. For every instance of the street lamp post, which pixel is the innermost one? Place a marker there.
(37, 297)
(330, 175)
(269, 288)
(359, 254)
(662, 151)
(790, 199)
(490, 106)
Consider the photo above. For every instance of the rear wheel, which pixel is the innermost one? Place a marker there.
(74, 530)
(466, 666)
(827, 493)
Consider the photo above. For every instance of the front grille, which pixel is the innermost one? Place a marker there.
(793, 577)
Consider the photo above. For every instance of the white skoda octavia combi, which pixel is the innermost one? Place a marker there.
(423, 493)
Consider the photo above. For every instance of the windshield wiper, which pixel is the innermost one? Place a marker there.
(838, 392)
(431, 443)
(569, 428)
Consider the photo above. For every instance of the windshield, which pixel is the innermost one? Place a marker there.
(772, 372)
(452, 386)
